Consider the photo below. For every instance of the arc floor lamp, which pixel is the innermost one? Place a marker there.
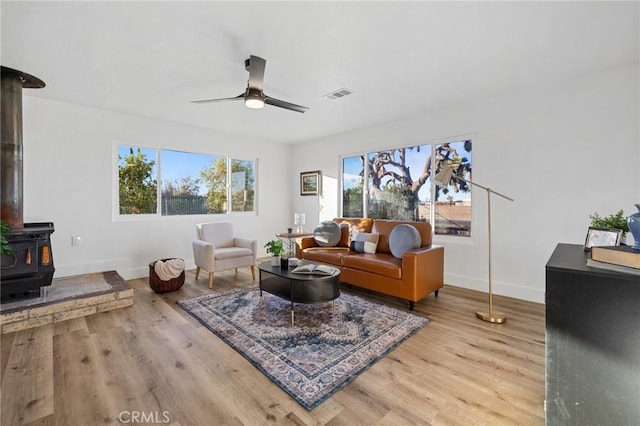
(442, 179)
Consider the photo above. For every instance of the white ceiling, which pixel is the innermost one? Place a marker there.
(400, 59)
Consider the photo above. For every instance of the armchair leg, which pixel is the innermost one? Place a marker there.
(253, 272)
(210, 279)
(197, 271)
(236, 271)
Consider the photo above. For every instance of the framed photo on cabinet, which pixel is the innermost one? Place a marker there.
(602, 237)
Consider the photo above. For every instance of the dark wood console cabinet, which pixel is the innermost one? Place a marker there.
(592, 342)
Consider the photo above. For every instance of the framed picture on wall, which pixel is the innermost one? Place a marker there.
(311, 183)
(602, 237)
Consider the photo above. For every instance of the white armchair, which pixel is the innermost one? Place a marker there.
(216, 249)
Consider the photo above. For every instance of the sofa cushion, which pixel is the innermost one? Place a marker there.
(359, 224)
(379, 263)
(331, 255)
(385, 226)
(231, 252)
(364, 242)
(403, 237)
(327, 234)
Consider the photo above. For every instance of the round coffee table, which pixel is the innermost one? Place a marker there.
(298, 288)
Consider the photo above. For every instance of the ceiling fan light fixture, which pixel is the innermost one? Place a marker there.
(254, 99)
(253, 96)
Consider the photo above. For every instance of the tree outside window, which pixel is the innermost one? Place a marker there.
(214, 178)
(191, 183)
(453, 202)
(242, 185)
(138, 187)
(399, 186)
(352, 186)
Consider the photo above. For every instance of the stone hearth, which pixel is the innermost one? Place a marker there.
(67, 298)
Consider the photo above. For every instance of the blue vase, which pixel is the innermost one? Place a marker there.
(634, 227)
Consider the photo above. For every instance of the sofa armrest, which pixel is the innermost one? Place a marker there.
(424, 267)
(247, 243)
(303, 243)
(204, 255)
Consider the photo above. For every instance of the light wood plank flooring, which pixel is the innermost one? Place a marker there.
(154, 364)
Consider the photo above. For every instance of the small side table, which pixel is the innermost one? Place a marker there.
(291, 236)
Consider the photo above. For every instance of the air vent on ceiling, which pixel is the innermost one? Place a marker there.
(340, 93)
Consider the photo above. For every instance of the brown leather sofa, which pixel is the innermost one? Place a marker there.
(419, 272)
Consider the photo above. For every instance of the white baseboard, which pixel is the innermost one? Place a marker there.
(499, 288)
(121, 266)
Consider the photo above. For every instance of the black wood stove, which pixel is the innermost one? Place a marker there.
(29, 264)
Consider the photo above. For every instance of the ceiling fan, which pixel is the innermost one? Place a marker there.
(253, 96)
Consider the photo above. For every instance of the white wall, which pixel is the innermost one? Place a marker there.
(562, 150)
(68, 178)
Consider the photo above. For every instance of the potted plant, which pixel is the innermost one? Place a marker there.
(615, 221)
(275, 248)
(5, 249)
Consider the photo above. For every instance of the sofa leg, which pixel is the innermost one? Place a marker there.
(253, 272)
(210, 279)
(437, 293)
(197, 271)
(412, 305)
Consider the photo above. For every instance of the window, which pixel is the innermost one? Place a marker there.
(453, 202)
(137, 180)
(399, 186)
(352, 186)
(190, 183)
(242, 184)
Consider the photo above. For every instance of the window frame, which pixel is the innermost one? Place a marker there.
(432, 186)
(115, 199)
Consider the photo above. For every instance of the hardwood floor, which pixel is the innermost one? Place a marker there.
(154, 364)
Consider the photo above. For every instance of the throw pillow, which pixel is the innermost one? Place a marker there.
(364, 242)
(327, 234)
(402, 238)
(345, 237)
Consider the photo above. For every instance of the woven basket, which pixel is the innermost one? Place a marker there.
(160, 286)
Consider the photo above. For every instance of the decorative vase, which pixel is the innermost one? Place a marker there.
(284, 262)
(634, 227)
(275, 260)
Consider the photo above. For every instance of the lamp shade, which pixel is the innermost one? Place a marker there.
(299, 218)
(443, 177)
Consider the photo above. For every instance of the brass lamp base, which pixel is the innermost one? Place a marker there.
(494, 317)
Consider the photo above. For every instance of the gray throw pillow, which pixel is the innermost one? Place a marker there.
(402, 238)
(364, 242)
(327, 234)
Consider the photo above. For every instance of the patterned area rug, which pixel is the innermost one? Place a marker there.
(325, 350)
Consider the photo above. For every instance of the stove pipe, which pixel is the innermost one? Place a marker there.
(11, 192)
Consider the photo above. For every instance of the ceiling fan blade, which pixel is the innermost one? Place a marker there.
(256, 67)
(284, 104)
(206, 101)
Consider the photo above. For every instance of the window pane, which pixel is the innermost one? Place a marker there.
(397, 183)
(242, 185)
(214, 179)
(137, 180)
(453, 203)
(182, 190)
(352, 186)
